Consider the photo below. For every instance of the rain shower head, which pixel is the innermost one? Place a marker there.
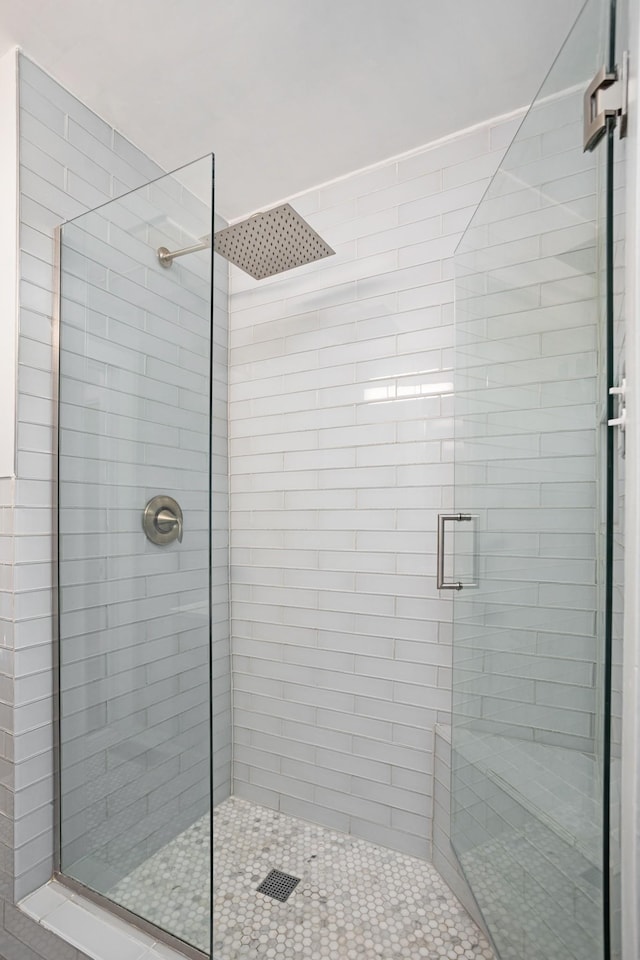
(264, 244)
(271, 242)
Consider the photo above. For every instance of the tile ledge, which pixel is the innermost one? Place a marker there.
(91, 928)
(443, 730)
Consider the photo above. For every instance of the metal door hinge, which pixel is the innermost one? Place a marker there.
(606, 96)
(620, 420)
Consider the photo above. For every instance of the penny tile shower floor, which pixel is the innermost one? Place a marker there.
(355, 900)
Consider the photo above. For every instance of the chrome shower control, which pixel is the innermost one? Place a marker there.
(162, 520)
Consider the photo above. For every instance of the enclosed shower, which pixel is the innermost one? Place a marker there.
(323, 536)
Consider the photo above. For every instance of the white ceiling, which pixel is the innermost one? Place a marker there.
(289, 93)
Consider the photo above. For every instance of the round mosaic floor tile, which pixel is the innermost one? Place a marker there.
(355, 901)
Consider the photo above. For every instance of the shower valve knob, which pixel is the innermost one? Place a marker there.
(162, 520)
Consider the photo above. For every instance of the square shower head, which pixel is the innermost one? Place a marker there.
(271, 242)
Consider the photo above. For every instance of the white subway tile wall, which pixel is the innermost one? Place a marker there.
(8, 257)
(7, 576)
(341, 427)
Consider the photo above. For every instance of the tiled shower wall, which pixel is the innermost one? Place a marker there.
(71, 161)
(7, 486)
(341, 458)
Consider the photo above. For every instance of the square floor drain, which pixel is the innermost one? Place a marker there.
(278, 885)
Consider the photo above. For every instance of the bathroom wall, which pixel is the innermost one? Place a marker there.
(20, 937)
(8, 258)
(6, 685)
(8, 377)
(70, 161)
(341, 430)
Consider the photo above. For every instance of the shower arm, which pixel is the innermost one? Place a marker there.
(166, 256)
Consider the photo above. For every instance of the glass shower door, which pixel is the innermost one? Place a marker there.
(529, 529)
(134, 568)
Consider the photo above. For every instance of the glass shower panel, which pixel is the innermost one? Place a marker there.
(134, 553)
(530, 453)
(617, 481)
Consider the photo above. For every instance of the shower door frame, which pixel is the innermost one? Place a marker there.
(630, 766)
(76, 886)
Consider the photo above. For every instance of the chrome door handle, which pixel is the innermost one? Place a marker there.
(442, 519)
(162, 520)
